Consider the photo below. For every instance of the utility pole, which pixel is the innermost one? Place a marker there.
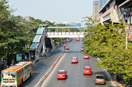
(126, 39)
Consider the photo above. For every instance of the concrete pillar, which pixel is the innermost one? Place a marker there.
(43, 48)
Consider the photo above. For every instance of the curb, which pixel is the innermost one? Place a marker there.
(49, 71)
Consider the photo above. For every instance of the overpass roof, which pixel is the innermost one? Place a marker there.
(34, 46)
(126, 4)
(65, 27)
(37, 38)
(40, 30)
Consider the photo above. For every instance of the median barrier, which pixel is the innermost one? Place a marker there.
(49, 71)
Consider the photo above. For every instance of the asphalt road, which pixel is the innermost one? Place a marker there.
(75, 77)
(42, 67)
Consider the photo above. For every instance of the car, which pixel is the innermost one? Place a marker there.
(63, 41)
(74, 60)
(66, 48)
(68, 40)
(82, 49)
(99, 79)
(61, 74)
(86, 56)
(87, 70)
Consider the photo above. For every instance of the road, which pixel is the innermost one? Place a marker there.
(75, 77)
(42, 67)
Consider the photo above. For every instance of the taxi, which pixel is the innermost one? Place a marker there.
(86, 56)
(74, 60)
(87, 70)
(61, 74)
(68, 40)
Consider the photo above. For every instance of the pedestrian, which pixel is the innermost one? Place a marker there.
(45, 54)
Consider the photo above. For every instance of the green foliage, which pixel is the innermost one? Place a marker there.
(16, 32)
(107, 43)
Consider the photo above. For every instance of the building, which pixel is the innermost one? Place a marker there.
(96, 7)
(113, 10)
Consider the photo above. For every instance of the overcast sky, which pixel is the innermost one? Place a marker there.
(58, 11)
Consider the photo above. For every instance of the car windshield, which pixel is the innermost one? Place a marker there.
(74, 58)
(99, 77)
(87, 69)
(60, 72)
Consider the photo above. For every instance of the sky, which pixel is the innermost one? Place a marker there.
(58, 11)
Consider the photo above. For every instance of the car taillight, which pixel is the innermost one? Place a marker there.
(103, 80)
(96, 80)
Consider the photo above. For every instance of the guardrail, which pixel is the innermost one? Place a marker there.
(49, 71)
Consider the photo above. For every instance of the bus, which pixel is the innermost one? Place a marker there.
(15, 75)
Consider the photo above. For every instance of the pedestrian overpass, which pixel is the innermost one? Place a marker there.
(62, 34)
(43, 42)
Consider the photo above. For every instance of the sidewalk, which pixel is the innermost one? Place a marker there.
(120, 83)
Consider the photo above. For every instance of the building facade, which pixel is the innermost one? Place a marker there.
(96, 7)
(113, 10)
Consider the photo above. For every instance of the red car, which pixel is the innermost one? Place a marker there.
(86, 56)
(74, 60)
(61, 74)
(87, 70)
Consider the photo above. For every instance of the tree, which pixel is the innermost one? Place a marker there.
(105, 42)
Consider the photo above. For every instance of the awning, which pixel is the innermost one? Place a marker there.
(40, 30)
(126, 4)
(37, 38)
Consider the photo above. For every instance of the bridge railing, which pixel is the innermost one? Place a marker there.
(65, 33)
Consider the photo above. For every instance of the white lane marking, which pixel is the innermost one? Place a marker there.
(78, 77)
(77, 81)
(78, 73)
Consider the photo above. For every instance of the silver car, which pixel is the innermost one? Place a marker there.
(100, 79)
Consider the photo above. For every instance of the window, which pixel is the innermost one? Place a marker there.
(60, 72)
(87, 69)
(20, 73)
(100, 77)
